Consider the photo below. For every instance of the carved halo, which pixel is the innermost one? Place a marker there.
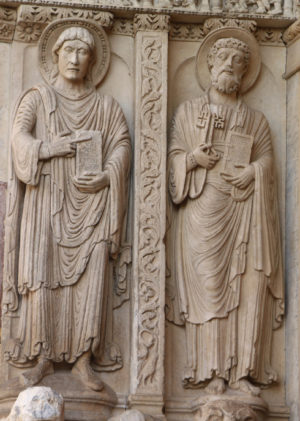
(51, 34)
(250, 77)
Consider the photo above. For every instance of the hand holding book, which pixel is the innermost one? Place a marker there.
(243, 179)
(92, 183)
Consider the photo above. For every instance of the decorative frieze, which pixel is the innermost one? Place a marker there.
(7, 24)
(186, 32)
(269, 36)
(122, 27)
(31, 20)
(212, 24)
(258, 8)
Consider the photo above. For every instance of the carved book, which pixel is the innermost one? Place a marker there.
(89, 153)
(237, 152)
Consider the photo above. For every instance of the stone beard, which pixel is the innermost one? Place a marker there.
(223, 79)
(67, 227)
(224, 241)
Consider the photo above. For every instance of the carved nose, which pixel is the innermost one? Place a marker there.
(228, 62)
(74, 58)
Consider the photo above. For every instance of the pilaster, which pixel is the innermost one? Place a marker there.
(148, 336)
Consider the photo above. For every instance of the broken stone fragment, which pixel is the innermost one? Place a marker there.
(37, 404)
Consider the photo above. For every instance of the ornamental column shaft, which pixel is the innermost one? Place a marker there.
(148, 336)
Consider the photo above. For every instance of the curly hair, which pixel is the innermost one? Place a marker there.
(228, 43)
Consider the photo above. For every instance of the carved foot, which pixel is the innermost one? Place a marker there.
(216, 386)
(276, 11)
(37, 373)
(245, 386)
(261, 10)
(88, 376)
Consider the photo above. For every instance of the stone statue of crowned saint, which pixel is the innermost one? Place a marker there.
(224, 251)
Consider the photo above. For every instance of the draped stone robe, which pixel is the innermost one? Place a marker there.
(224, 248)
(57, 255)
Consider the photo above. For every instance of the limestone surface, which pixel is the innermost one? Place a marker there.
(37, 404)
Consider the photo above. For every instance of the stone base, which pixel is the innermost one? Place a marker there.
(233, 405)
(81, 403)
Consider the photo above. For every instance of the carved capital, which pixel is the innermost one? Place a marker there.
(269, 36)
(212, 24)
(145, 22)
(123, 27)
(32, 20)
(7, 24)
(292, 32)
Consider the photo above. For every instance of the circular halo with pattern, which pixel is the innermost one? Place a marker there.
(254, 66)
(50, 36)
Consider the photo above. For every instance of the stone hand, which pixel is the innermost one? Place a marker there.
(65, 148)
(242, 180)
(204, 159)
(92, 183)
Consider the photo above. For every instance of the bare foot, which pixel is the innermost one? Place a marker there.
(216, 386)
(88, 376)
(37, 373)
(245, 386)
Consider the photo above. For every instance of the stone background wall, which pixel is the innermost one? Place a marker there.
(273, 95)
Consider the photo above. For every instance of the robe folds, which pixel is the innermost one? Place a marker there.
(224, 248)
(59, 239)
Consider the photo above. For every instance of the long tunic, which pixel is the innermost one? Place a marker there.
(65, 235)
(225, 247)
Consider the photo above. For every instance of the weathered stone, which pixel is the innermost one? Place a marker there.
(37, 404)
(153, 45)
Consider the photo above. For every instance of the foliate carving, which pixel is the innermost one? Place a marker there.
(145, 22)
(196, 32)
(267, 36)
(150, 235)
(28, 31)
(7, 23)
(123, 27)
(212, 24)
(32, 20)
(292, 32)
(188, 32)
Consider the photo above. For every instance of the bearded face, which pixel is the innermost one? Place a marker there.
(228, 69)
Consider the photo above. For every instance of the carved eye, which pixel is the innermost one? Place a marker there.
(222, 55)
(68, 49)
(83, 51)
(237, 59)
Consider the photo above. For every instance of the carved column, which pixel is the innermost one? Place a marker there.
(292, 76)
(147, 365)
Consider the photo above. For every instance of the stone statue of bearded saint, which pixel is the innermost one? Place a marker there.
(61, 228)
(225, 242)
